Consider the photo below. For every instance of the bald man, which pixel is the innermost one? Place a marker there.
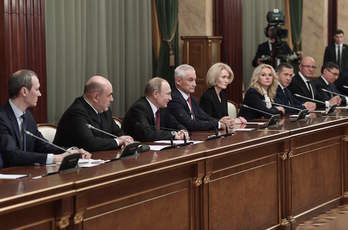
(92, 108)
(300, 83)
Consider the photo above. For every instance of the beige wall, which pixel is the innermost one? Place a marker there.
(195, 19)
(314, 30)
(342, 17)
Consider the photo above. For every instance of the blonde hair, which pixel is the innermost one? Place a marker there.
(255, 83)
(214, 73)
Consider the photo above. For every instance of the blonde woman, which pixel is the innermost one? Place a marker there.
(214, 99)
(261, 93)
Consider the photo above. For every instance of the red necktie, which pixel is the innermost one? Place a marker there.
(158, 120)
(190, 105)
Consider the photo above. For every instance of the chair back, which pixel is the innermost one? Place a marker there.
(231, 110)
(48, 131)
(118, 121)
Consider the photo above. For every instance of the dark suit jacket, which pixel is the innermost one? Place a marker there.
(1, 161)
(179, 108)
(36, 150)
(73, 131)
(256, 100)
(286, 98)
(139, 122)
(297, 86)
(263, 49)
(210, 103)
(320, 95)
(330, 56)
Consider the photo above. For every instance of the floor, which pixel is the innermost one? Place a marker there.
(334, 219)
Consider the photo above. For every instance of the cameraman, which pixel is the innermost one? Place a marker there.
(271, 50)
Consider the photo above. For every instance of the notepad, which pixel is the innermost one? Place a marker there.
(177, 142)
(158, 147)
(87, 163)
(12, 176)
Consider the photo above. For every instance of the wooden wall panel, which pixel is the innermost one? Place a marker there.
(22, 40)
(228, 24)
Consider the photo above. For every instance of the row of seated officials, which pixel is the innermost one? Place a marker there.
(162, 113)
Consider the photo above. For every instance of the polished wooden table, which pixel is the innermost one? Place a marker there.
(266, 178)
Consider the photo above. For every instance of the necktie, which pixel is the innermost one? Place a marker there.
(23, 136)
(287, 99)
(190, 106)
(310, 89)
(339, 56)
(100, 121)
(158, 120)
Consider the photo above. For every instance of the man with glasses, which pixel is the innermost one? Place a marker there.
(325, 88)
(285, 74)
(300, 83)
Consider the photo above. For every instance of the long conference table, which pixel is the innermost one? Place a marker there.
(272, 178)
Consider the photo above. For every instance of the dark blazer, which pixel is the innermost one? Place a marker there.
(36, 150)
(298, 86)
(1, 161)
(320, 95)
(263, 49)
(139, 122)
(73, 131)
(286, 98)
(179, 108)
(254, 99)
(211, 104)
(330, 56)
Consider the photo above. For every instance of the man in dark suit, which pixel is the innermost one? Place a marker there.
(269, 51)
(148, 119)
(300, 83)
(185, 107)
(285, 74)
(337, 52)
(17, 148)
(92, 108)
(325, 83)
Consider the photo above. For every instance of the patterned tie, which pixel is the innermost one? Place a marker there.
(190, 106)
(23, 136)
(158, 120)
(339, 56)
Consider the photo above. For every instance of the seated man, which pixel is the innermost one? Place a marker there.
(285, 74)
(185, 108)
(18, 148)
(92, 108)
(148, 119)
(330, 73)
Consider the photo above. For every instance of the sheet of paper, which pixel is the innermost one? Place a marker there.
(157, 147)
(244, 130)
(87, 163)
(11, 176)
(176, 142)
(255, 123)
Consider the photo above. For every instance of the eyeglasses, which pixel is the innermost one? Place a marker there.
(333, 73)
(310, 66)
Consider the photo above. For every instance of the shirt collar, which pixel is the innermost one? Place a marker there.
(282, 87)
(90, 105)
(186, 96)
(18, 113)
(153, 107)
(326, 82)
(303, 77)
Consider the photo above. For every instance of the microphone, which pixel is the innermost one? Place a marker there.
(102, 131)
(328, 110)
(44, 140)
(338, 94)
(301, 114)
(310, 99)
(259, 110)
(271, 121)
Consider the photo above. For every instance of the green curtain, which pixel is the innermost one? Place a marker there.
(296, 8)
(167, 13)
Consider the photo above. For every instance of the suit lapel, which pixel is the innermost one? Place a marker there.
(149, 111)
(13, 122)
